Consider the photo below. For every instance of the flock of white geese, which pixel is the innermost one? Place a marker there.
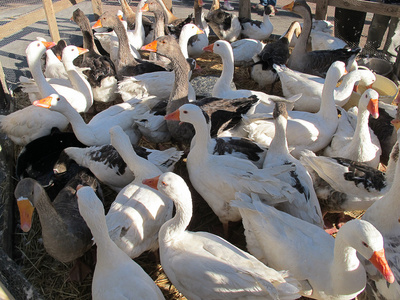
(277, 164)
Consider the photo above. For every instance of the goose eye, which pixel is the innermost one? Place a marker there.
(365, 244)
(163, 183)
(185, 111)
(72, 49)
(58, 98)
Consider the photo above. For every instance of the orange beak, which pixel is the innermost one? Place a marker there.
(152, 47)
(145, 8)
(120, 17)
(199, 31)
(25, 212)
(82, 50)
(152, 182)
(289, 6)
(174, 116)
(49, 45)
(373, 108)
(396, 124)
(45, 102)
(97, 24)
(209, 48)
(378, 259)
(397, 98)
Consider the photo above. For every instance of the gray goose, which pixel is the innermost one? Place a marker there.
(127, 65)
(314, 62)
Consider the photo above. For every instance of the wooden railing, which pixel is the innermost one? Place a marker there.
(392, 10)
(48, 10)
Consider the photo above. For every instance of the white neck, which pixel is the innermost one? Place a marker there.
(344, 90)
(34, 66)
(362, 136)
(347, 273)
(78, 82)
(301, 44)
(328, 109)
(224, 81)
(279, 142)
(200, 141)
(140, 166)
(139, 29)
(173, 228)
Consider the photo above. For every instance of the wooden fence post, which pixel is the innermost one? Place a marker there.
(51, 20)
(97, 8)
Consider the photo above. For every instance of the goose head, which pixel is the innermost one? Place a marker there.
(220, 47)
(369, 101)
(164, 45)
(71, 52)
(89, 204)
(189, 113)
(299, 7)
(27, 192)
(152, 6)
(36, 49)
(108, 19)
(336, 71)
(53, 102)
(368, 242)
(170, 184)
(190, 29)
(366, 77)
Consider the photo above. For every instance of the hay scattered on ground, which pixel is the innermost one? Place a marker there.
(50, 277)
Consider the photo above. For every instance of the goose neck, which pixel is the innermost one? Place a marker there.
(201, 140)
(227, 70)
(301, 44)
(34, 66)
(175, 227)
(348, 274)
(279, 143)
(125, 56)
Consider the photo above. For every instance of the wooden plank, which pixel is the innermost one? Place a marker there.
(97, 8)
(244, 9)
(392, 10)
(14, 26)
(51, 20)
(321, 10)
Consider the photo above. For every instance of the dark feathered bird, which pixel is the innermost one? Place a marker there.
(314, 62)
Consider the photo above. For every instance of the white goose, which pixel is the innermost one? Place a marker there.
(357, 144)
(95, 132)
(217, 177)
(108, 166)
(138, 211)
(223, 89)
(204, 266)
(116, 275)
(305, 205)
(198, 42)
(76, 89)
(258, 30)
(327, 268)
(384, 215)
(30, 123)
(310, 86)
(306, 130)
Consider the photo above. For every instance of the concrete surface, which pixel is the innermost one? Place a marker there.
(12, 48)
